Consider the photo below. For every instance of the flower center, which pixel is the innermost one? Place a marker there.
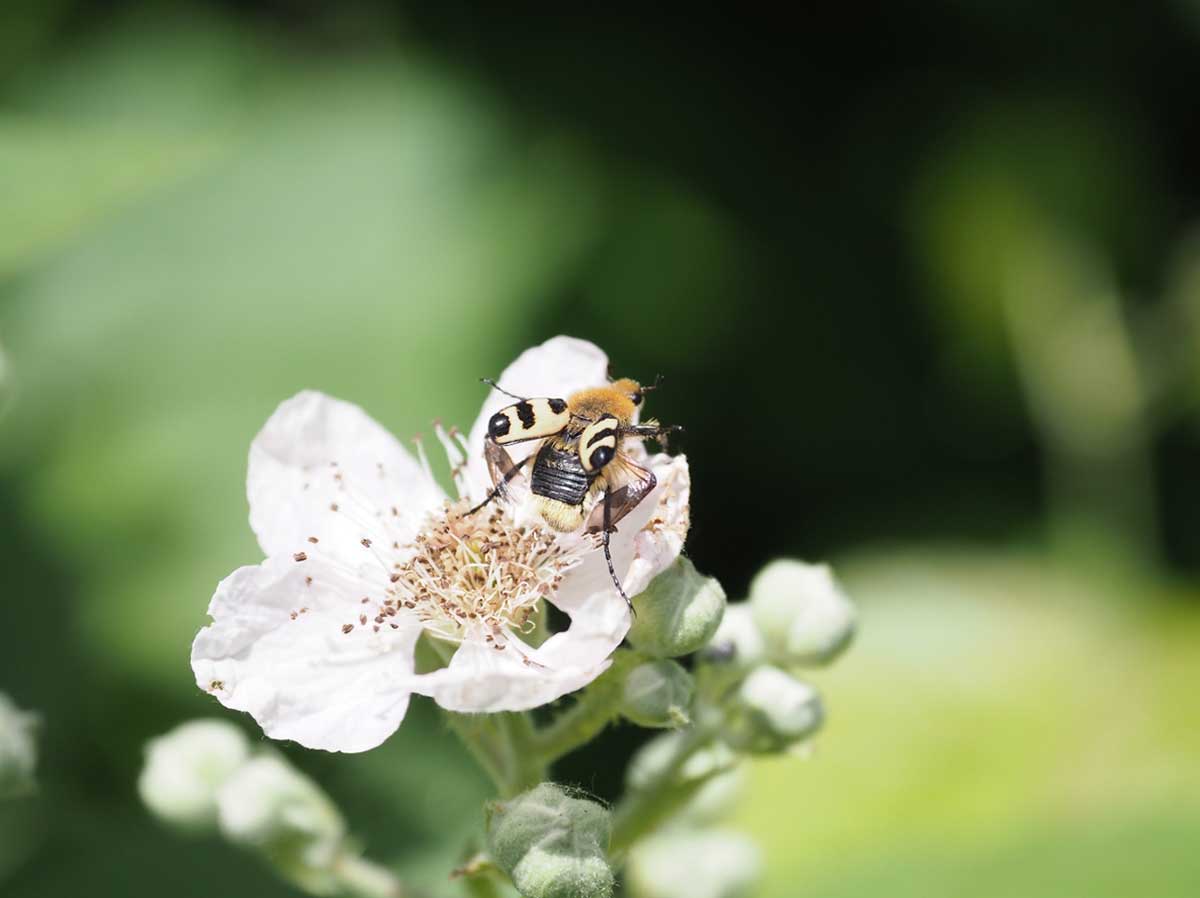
(476, 576)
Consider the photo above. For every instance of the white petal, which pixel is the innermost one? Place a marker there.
(276, 649)
(482, 678)
(559, 367)
(647, 541)
(322, 467)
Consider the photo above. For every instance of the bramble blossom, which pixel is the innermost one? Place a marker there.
(365, 553)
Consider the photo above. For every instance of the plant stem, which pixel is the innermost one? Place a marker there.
(480, 734)
(595, 708)
(502, 745)
(642, 810)
(527, 765)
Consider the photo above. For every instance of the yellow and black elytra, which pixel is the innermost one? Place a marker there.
(579, 463)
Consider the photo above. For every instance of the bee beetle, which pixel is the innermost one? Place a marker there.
(580, 464)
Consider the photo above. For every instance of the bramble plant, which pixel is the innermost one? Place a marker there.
(377, 586)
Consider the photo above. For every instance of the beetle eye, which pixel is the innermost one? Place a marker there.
(637, 397)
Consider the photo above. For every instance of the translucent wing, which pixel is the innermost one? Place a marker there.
(628, 485)
(506, 474)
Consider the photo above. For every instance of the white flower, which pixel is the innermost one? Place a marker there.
(365, 552)
(185, 767)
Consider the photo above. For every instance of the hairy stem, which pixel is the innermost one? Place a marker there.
(501, 744)
(641, 811)
(526, 766)
(480, 734)
(595, 708)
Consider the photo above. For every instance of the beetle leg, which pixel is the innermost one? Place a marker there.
(608, 529)
(498, 489)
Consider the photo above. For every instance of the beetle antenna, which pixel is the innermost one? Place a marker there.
(499, 389)
(658, 379)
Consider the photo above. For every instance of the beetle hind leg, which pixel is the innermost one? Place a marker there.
(503, 470)
(613, 573)
(609, 529)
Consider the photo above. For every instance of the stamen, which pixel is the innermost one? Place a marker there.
(479, 574)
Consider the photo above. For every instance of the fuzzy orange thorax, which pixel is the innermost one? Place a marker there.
(616, 400)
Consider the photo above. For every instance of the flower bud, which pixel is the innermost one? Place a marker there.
(803, 615)
(185, 768)
(771, 711)
(694, 864)
(18, 751)
(269, 805)
(657, 694)
(654, 758)
(544, 874)
(737, 644)
(715, 799)
(677, 613)
(552, 844)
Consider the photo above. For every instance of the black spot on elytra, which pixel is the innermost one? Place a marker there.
(525, 413)
(498, 425)
(601, 457)
(558, 406)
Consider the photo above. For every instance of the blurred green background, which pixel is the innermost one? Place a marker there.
(924, 281)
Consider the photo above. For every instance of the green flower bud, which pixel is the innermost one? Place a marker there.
(694, 864)
(771, 711)
(737, 644)
(803, 615)
(18, 750)
(270, 806)
(657, 694)
(677, 613)
(552, 843)
(544, 874)
(185, 768)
